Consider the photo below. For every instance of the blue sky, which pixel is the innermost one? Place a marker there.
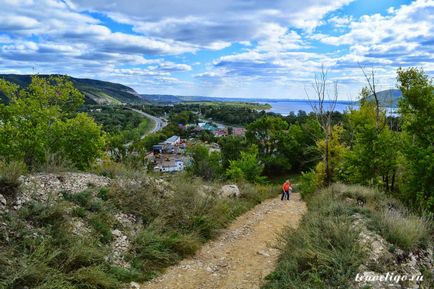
(225, 48)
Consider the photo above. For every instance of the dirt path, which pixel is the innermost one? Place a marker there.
(243, 254)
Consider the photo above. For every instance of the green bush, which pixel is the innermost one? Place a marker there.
(102, 223)
(111, 169)
(82, 198)
(9, 175)
(94, 278)
(308, 183)
(103, 194)
(82, 253)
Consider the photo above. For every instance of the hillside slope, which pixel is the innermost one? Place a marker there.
(95, 91)
(388, 98)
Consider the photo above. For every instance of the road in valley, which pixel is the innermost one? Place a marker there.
(159, 123)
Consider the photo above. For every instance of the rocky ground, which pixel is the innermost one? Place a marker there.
(398, 262)
(243, 254)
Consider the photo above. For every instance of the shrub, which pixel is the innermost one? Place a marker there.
(94, 278)
(153, 250)
(82, 198)
(109, 168)
(102, 223)
(103, 194)
(56, 163)
(82, 253)
(9, 175)
(308, 183)
(126, 275)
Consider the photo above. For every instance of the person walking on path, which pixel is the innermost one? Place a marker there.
(286, 190)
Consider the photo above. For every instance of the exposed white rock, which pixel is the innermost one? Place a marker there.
(399, 262)
(229, 191)
(43, 186)
(134, 285)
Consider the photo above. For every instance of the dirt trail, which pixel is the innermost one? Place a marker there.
(243, 254)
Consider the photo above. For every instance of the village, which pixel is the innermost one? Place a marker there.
(171, 154)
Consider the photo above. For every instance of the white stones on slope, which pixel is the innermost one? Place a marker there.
(120, 247)
(79, 228)
(399, 262)
(44, 186)
(133, 285)
(229, 191)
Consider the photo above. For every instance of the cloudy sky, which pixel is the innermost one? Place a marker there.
(226, 48)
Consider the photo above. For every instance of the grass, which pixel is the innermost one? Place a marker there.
(322, 252)
(325, 251)
(9, 177)
(38, 250)
(406, 230)
(179, 223)
(388, 217)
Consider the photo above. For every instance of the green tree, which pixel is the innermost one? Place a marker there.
(205, 164)
(336, 150)
(31, 124)
(79, 139)
(268, 134)
(231, 147)
(417, 111)
(372, 159)
(247, 167)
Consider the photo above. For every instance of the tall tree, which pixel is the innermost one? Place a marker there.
(417, 111)
(323, 104)
(269, 133)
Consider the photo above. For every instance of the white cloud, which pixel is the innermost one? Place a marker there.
(410, 23)
(206, 22)
(340, 21)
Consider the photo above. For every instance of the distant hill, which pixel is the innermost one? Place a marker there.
(95, 91)
(388, 98)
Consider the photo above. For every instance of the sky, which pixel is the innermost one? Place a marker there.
(224, 48)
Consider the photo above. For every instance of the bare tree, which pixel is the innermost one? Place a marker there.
(324, 114)
(370, 79)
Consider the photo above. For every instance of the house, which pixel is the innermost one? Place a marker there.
(173, 140)
(170, 165)
(158, 149)
(170, 145)
(239, 131)
(221, 132)
(208, 126)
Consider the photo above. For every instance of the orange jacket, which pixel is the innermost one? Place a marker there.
(286, 186)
